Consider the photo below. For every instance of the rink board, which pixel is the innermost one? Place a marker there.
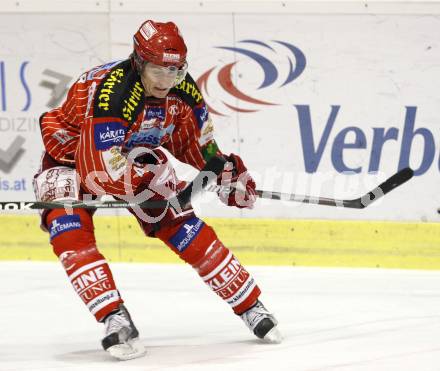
(254, 241)
(335, 98)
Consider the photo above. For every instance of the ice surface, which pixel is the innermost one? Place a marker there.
(332, 319)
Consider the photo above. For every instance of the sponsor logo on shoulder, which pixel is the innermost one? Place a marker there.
(135, 96)
(202, 115)
(108, 134)
(191, 90)
(107, 88)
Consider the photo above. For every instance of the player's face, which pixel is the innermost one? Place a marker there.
(158, 80)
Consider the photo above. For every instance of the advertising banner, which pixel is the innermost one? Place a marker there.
(327, 105)
(324, 105)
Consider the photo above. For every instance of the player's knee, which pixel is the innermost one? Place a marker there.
(194, 241)
(70, 232)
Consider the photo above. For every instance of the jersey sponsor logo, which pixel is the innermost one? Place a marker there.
(148, 124)
(62, 136)
(201, 114)
(155, 112)
(120, 93)
(191, 89)
(173, 110)
(150, 135)
(187, 233)
(115, 163)
(108, 134)
(207, 133)
(64, 224)
(133, 100)
(107, 88)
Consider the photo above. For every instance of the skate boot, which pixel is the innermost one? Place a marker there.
(121, 336)
(262, 323)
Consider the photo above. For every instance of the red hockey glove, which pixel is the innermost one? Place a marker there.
(236, 176)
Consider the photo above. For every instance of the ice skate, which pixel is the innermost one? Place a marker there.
(121, 336)
(262, 323)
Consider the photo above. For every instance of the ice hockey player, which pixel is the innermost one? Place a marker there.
(106, 138)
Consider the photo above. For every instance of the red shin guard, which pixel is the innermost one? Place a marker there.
(197, 244)
(73, 241)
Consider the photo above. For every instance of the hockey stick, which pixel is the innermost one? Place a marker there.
(394, 181)
(211, 170)
(391, 183)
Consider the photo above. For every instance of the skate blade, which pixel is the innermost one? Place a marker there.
(273, 336)
(130, 350)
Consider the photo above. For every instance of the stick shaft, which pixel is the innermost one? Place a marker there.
(211, 170)
(200, 182)
(387, 186)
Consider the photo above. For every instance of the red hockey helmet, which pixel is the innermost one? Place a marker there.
(159, 43)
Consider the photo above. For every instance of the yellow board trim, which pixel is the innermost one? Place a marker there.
(322, 243)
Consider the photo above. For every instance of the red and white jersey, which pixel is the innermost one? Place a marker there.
(106, 115)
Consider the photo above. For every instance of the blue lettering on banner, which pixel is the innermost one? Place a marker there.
(186, 234)
(64, 224)
(407, 140)
(14, 86)
(108, 134)
(13, 184)
(313, 148)
(156, 112)
(201, 115)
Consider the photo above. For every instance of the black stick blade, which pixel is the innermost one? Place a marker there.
(394, 181)
(397, 179)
